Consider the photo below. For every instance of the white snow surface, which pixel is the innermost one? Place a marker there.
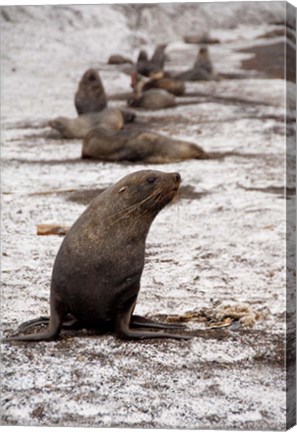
(228, 246)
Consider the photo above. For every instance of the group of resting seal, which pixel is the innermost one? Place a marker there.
(97, 272)
(157, 92)
(103, 130)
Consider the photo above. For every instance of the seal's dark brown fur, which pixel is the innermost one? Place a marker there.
(90, 96)
(138, 146)
(97, 272)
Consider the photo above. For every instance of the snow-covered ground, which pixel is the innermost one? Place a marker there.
(222, 242)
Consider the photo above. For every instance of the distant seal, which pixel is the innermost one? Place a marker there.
(203, 60)
(97, 271)
(149, 99)
(90, 96)
(173, 86)
(159, 56)
(138, 146)
(202, 69)
(202, 38)
(110, 118)
(154, 66)
(117, 59)
(152, 99)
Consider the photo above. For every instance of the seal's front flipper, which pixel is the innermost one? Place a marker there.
(139, 321)
(124, 331)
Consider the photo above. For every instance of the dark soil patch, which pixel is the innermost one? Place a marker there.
(85, 196)
(223, 155)
(225, 99)
(270, 60)
(188, 192)
(268, 348)
(284, 31)
(71, 161)
(74, 161)
(277, 190)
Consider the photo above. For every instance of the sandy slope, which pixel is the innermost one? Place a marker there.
(221, 243)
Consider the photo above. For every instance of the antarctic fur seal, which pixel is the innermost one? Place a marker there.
(202, 69)
(173, 86)
(116, 59)
(97, 271)
(150, 99)
(135, 146)
(203, 60)
(154, 66)
(202, 38)
(90, 95)
(110, 118)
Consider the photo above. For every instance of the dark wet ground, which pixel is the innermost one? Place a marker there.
(270, 60)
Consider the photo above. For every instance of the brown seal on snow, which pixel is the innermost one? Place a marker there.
(110, 118)
(173, 86)
(202, 38)
(90, 96)
(117, 59)
(135, 146)
(155, 65)
(97, 271)
(149, 99)
(152, 99)
(202, 69)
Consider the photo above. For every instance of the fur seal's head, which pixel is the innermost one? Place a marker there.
(146, 192)
(90, 96)
(142, 56)
(203, 52)
(91, 78)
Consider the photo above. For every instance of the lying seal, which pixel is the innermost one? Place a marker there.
(202, 38)
(173, 86)
(135, 146)
(150, 99)
(97, 272)
(116, 59)
(90, 96)
(109, 118)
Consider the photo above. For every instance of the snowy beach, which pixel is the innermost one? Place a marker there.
(221, 242)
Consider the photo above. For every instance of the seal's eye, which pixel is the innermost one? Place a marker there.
(122, 189)
(151, 180)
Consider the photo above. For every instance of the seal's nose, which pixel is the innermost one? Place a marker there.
(177, 177)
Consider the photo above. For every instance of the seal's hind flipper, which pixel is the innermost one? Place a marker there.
(124, 331)
(139, 321)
